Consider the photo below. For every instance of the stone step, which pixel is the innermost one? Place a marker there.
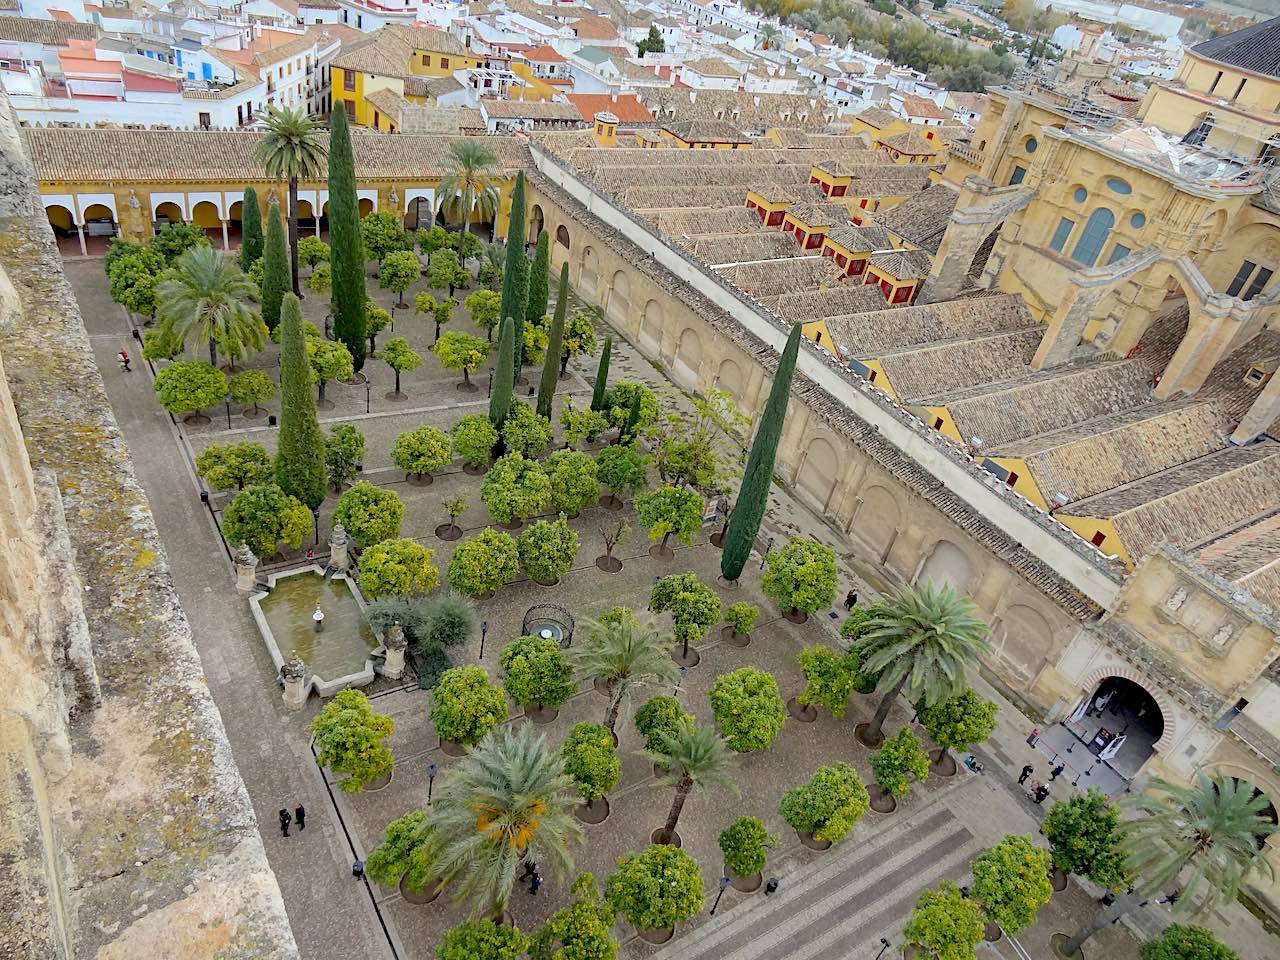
(821, 904)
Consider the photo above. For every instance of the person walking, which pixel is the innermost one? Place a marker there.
(850, 600)
(1055, 772)
(534, 883)
(1041, 793)
(530, 870)
(300, 817)
(123, 357)
(1027, 771)
(285, 819)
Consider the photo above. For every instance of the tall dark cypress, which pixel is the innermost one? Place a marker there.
(504, 375)
(275, 266)
(300, 469)
(347, 296)
(602, 376)
(753, 495)
(555, 345)
(515, 274)
(539, 281)
(250, 229)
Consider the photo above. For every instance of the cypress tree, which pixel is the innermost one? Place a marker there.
(275, 266)
(555, 344)
(250, 229)
(515, 274)
(347, 294)
(628, 432)
(753, 495)
(504, 375)
(602, 376)
(300, 468)
(539, 281)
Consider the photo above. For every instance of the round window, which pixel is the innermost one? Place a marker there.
(1138, 221)
(1116, 185)
(1031, 145)
(1080, 195)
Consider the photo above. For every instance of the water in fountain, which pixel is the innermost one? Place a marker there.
(342, 647)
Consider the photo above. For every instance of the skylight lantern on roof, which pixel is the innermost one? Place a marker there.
(606, 128)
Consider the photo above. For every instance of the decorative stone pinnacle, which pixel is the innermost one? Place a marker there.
(294, 668)
(339, 535)
(395, 638)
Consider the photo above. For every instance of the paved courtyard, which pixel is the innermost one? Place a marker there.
(833, 904)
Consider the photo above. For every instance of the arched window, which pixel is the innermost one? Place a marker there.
(1094, 236)
(1198, 134)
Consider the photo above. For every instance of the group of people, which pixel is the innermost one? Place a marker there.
(532, 875)
(1040, 791)
(299, 816)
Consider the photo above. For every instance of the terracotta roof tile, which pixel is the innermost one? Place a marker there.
(51, 33)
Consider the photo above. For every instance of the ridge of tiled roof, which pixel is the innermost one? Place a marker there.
(50, 33)
(705, 220)
(875, 332)
(434, 87)
(848, 297)
(1255, 48)
(911, 144)
(624, 106)
(902, 264)
(720, 131)
(860, 239)
(530, 109)
(388, 102)
(921, 219)
(773, 278)
(878, 117)
(949, 365)
(725, 248)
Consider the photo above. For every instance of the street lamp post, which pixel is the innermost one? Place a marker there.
(491, 383)
(484, 632)
(884, 945)
(315, 517)
(368, 391)
(432, 769)
(767, 547)
(724, 885)
(228, 403)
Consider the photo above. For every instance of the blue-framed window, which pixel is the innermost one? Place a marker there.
(1116, 185)
(206, 71)
(1019, 173)
(1060, 235)
(1118, 252)
(1094, 237)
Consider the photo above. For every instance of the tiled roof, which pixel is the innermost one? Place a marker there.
(706, 220)
(706, 131)
(875, 333)
(953, 365)
(544, 54)
(51, 33)
(791, 137)
(224, 93)
(1091, 457)
(878, 117)
(818, 214)
(434, 87)
(1255, 48)
(902, 264)
(712, 67)
(388, 50)
(635, 73)
(592, 27)
(912, 144)
(624, 106)
(731, 248)
(387, 102)
(1037, 402)
(1243, 553)
(284, 51)
(921, 219)
(860, 239)
(657, 197)
(747, 111)
(915, 106)
(775, 277)
(1191, 502)
(544, 110)
(850, 297)
(145, 156)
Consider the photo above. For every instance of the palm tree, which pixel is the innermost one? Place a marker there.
(509, 800)
(206, 297)
(291, 150)
(626, 655)
(471, 179)
(694, 756)
(1214, 828)
(768, 34)
(922, 640)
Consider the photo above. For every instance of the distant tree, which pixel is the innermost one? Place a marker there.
(274, 282)
(525, 432)
(623, 395)
(474, 439)
(547, 549)
(574, 486)
(829, 805)
(653, 43)
(369, 514)
(401, 854)
(582, 931)
(397, 272)
(579, 338)
(515, 489)
(343, 450)
(539, 282)
(176, 238)
(375, 321)
(401, 358)
(661, 716)
(694, 756)
(898, 762)
(747, 708)
(470, 176)
(462, 351)
(600, 388)
(241, 464)
(482, 940)
(801, 576)
(290, 150)
(163, 345)
(483, 306)
(262, 517)
(349, 295)
(621, 468)
(204, 297)
(960, 721)
(1084, 837)
(467, 705)
(743, 844)
(300, 468)
(657, 888)
(444, 270)
(250, 229)
(348, 739)
(437, 238)
(380, 234)
(693, 606)
(133, 277)
(422, 450)
(187, 386)
(483, 564)
(670, 510)
(330, 360)
(312, 251)
(581, 425)
(251, 386)
(397, 568)
(536, 674)
(831, 678)
(321, 279)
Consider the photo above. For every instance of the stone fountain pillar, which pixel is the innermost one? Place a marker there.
(394, 641)
(246, 570)
(294, 673)
(339, 557)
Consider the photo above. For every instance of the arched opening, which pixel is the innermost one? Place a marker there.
(730, 379)
(1094, 236)
(324, 221)
(205, 215)
(168, 212)
(587, 276)
(688, 358)
(306, 218)
(536, 220)
(983, 254)
(1119, 725)
(876, 522)
(947, 565)
(619, 305)
(365, 206)
(562, 236)
(99, 221)
(649, 339)
(235, 224)
(419, 216)
(61, 219)
(819, 472)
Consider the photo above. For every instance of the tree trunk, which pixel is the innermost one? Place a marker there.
(490, 332)
(320, 388)
(466, 377)
(437, 340)
(1103, 919)
(882, 712)
(564, 362)
(213, 351)
(663, 545)
(611, 718)
(677, 805)
(400, 303)
(293, 234)
(397, 381)
(372, 346)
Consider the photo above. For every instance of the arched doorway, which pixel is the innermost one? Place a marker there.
(947, 565)
(819, 472)
(63, 222)
(306, 217)
(205, 216)
(1120, 724)
(688, 359)
(168, 212)
(536, 220)
(365, 206)
(235, 224)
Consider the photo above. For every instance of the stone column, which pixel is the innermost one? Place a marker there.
(1264, 411)
(339, 555)
(294, 674)
(84, 250)
(246, 570)
(226, 242)
(1211, 330)
(394, 642)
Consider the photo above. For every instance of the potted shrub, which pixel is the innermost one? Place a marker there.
(612, 534)
(823, 810)
(401, 859)
(418, 452)
(739, 619)
(956, 724)
(1084, 834)
(591, 760)
(666, 511)
(660, 717)
(944, 923)
(694, 607)
(894, 765)
(482, 940)
(515, 489)
(484, 563)
(536, 676)
(743, 844)
(465, 707)
(830, 678)
(1011, 881)
(369, 514)
(582, 931)
(547, 551)
(574, 486)
(655, 890)
(622, 469)
(748, 708)
(397, 568)
(474, 438)
(454, 507)
(348, 739)
(801, 577)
